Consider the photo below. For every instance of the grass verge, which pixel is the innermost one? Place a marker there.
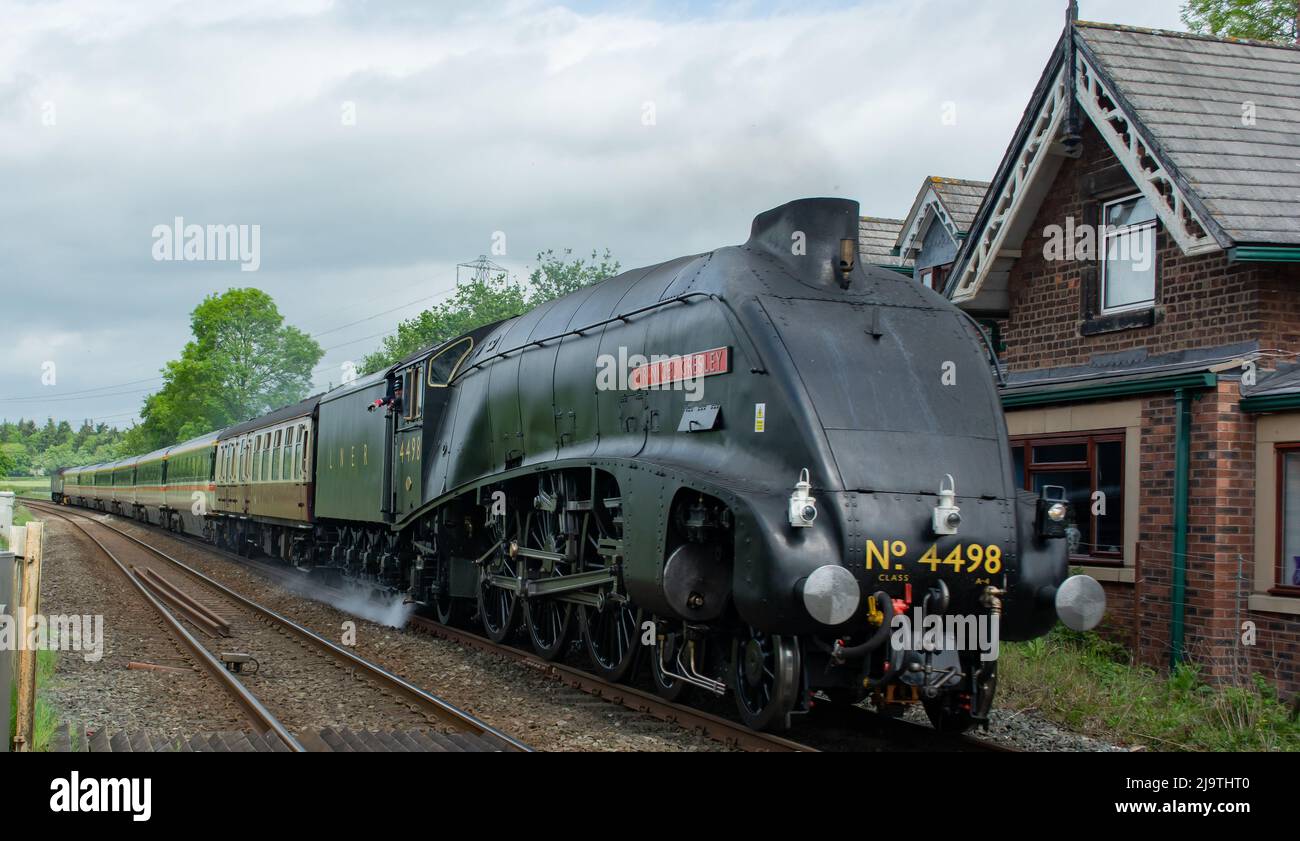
(47, 719)
(1087, 684)
(26, 485)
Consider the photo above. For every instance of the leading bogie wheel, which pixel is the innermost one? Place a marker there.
(765, 679)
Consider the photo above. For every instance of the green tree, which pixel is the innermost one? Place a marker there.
(481, 302)
(1259, 20)
(560, 275)
(475, 303)
(20, 463)
(6, 463)
(242, 362)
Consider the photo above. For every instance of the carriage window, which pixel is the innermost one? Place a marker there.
(304, 463)
(445, 365)
(277, 457)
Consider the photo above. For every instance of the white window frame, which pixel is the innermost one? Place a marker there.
(1104, 246)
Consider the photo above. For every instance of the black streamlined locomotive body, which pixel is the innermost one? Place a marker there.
(739, 467)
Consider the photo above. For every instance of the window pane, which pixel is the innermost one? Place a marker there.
(1135, 211)
(1291, 521)
(1078, 490)
(444, 364)
(1061, 453)
(1130, 270)
(1110, 482)
(1018, 459)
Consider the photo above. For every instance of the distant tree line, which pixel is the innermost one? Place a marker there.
(27, 449)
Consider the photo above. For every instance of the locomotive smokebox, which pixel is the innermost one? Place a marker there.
(816, 239)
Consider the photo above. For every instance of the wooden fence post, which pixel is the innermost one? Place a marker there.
(7, 560)
(30, 563)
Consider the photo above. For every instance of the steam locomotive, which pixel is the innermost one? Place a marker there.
(746, 469)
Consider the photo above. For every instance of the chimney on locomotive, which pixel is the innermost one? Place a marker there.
(817, 239)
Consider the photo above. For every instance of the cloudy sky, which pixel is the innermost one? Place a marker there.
(379, 144)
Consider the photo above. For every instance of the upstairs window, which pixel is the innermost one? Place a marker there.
(935, 277)
(1128, 269)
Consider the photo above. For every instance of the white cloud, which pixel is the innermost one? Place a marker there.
(518, 116)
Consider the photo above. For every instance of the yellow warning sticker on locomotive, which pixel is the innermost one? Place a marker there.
(964, 558)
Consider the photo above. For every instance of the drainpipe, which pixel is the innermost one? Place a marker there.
(1182, 471)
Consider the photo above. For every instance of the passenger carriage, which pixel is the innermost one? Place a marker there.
(263, 480)
(189, 492)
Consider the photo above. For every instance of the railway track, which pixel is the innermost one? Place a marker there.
(715, 727)
(842, 730)
(839, 730)
(295, 671)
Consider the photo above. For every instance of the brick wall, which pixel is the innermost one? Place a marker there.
(1201, 302)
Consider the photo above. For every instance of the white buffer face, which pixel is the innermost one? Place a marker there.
(831, 595)
(1081, 603)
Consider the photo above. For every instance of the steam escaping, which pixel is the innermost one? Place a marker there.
(389, 609)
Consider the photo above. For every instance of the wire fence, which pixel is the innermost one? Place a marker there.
(1222, 635)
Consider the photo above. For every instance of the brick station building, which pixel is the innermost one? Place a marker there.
(1154, 372)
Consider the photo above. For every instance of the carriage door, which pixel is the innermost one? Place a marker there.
(408, 442)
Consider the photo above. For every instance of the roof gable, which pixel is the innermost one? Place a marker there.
(1223, 115)
(1214, 184)
(951, 202)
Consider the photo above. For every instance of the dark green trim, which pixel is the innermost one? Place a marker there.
(1264, 254)
(1270, 403)
(903, 270)
(1105, 391)
(1182, 473)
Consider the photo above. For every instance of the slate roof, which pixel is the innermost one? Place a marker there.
(961, 198)
(1284, 381)
(1132, 365)
(1189, 92)
(876, 239)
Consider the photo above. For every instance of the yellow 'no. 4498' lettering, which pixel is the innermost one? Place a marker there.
(964, 558)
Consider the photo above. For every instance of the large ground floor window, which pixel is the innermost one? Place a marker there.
(1288, 519)
(1090, 467)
